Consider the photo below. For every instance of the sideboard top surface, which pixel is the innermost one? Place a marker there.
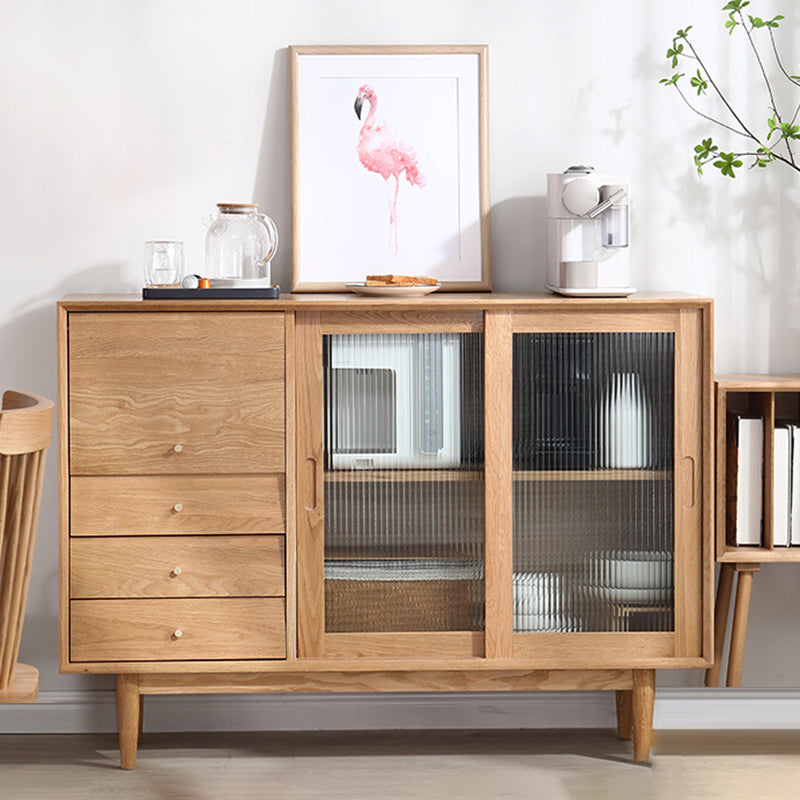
(436, 301)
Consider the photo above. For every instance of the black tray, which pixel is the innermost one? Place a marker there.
(262, 293)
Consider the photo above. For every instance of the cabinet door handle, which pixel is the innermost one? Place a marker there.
(311, 483)
(175, 572)
(691, 470)
(177, 507)
(177, 633)
(178, 448)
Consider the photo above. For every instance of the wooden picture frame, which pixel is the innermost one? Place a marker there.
(399, 189)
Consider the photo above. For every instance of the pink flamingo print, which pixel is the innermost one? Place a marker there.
(381, 153)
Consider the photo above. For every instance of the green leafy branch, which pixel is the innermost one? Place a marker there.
(775, 145)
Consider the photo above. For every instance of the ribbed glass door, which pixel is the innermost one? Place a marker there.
(403, 487)
(593, 431)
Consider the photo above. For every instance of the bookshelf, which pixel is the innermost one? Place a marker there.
(771, 397)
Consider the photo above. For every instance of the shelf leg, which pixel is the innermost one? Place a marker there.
(128, 715)
(741, 610)
(624, 713)
(644, 695)
(141, 719)
(722, 608)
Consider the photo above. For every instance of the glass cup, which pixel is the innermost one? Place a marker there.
(163, 263)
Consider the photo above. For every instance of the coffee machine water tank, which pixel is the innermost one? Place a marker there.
(588, 233)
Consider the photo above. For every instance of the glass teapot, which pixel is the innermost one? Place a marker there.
(240, 244)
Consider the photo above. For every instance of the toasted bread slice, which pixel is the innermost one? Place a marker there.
(400, 280)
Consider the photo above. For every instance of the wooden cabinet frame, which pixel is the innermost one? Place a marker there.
(493, 659)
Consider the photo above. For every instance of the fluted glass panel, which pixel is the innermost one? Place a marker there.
(593, 482)
(404, 488)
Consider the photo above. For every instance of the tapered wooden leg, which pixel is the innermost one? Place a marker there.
(141, 719)
(644, 695)
(624, 713)
(722, 608)
(741, 611)
(128, 718)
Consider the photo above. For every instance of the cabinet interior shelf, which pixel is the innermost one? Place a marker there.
(453, 475)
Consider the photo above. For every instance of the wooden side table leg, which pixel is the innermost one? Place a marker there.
(644, 695)
(141, 719)
(741, 610)
(128, 718)
(624, 713)
(721, 611)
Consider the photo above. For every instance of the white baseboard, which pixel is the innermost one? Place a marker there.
(676, 709)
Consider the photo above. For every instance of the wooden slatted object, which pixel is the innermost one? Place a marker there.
(26, 425)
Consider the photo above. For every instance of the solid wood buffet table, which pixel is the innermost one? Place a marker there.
(194, 477)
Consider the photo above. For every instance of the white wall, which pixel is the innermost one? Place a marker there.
(127, 121)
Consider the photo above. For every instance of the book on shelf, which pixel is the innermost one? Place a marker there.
(781, 484)
(794, 508)
(745, 479)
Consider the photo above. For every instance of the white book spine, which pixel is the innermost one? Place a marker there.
(795, 502)
(750, 482)
(781, 451)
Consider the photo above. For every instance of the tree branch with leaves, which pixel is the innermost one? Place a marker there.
(775, 145)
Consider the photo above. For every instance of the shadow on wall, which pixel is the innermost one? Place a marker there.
(746, 224)
(519, 244)
(28, 362)
(272, 186)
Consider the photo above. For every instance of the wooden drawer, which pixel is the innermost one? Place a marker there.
(177, 630)
(177, 504)
(177, 566)
(176, 392)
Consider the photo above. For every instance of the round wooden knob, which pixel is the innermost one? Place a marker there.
(177, 633)
(178, 448)
(175, 572)
(177, 507)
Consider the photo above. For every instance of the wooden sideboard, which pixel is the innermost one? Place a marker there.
(212, 542)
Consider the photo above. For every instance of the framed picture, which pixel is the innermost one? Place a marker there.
(390, 169)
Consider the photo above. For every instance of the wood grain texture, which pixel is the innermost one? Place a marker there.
(24, 687)
(602, 320)
(741, 611)
(177, 504)
(427, 645)
(506, 680)
(644, 693)
(290, 500)
(26, 423)
(210, 384)
(128, 718)
(721, 612)
(498, 386)
(63, 488)
(347, 301)
(624, 703)
(692, 552)
(419, 320)
(145, 630)
(176, 566)
(310, 488)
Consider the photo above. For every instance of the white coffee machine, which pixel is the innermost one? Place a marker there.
(588, 233)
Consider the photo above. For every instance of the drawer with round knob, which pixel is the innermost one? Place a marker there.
(229, 629)
(177, 566)
(177, 504)
(176, 393)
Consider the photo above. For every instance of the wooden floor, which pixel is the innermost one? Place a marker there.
(369, 765)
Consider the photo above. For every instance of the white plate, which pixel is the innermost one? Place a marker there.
(611, 291)
(392, 291)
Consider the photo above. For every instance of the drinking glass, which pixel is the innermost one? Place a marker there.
(163, 263)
